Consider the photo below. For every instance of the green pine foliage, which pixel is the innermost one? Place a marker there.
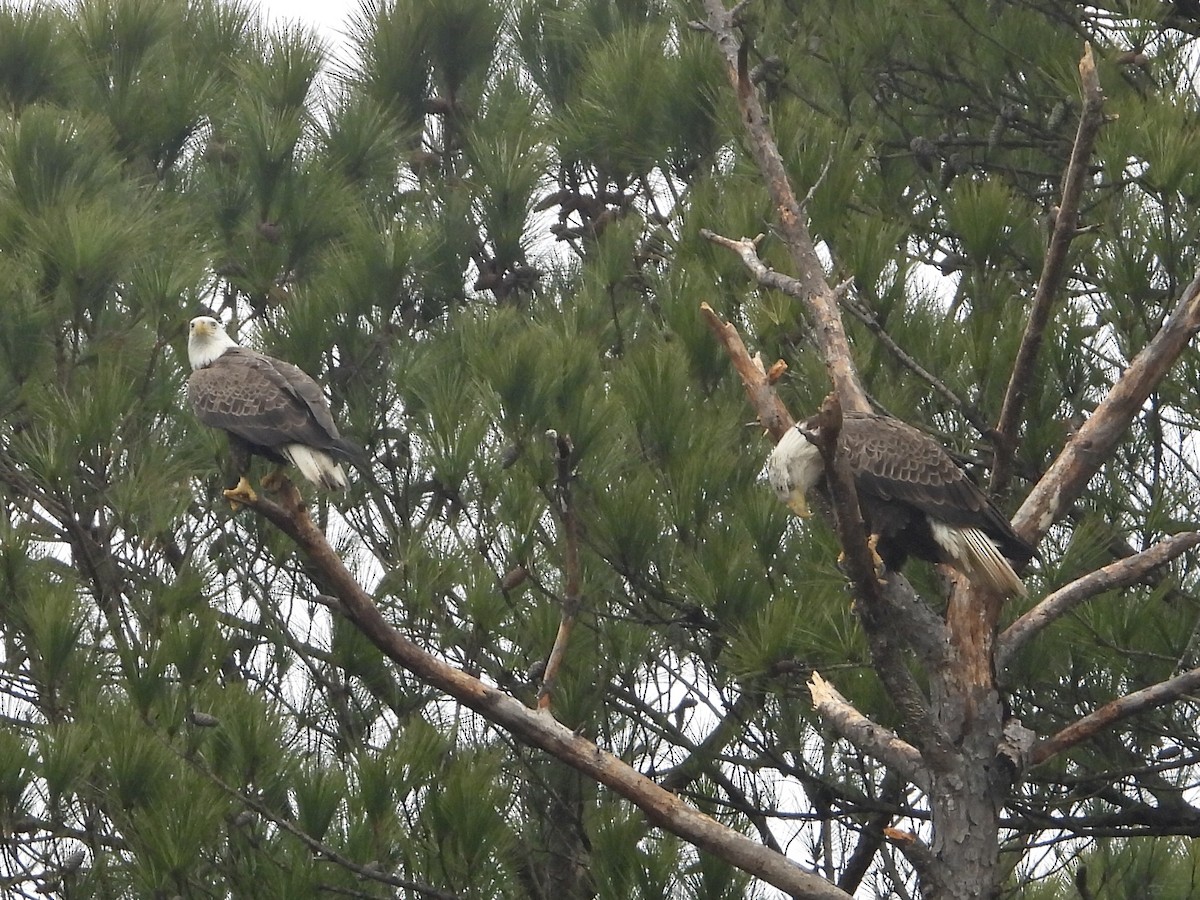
(482, 229)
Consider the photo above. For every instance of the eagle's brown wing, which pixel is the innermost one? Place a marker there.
(894, 461)
(264, 401)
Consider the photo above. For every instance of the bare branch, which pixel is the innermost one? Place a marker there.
(872, 835)
(533, 727)
(1121, 573)
(1115, 711)
(772, 414)
(1054, 272)
(921, 858)
(874, 740)
(818, 298)
(1091, 446)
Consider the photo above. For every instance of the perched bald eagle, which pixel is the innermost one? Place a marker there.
(915, 499)
(267, 406)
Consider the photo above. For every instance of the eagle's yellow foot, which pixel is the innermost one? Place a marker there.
(241, 494)
(876, 559)
(273, 481)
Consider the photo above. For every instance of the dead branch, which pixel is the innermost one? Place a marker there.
(1092, 445)
(772, 414)
(532, 727)
(818, 298)
(1121, 573)
(1115, 711)
(870, 839)
(921, 858)
(1054, 272)
(874, 740)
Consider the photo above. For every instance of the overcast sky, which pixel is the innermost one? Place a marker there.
(328, 17)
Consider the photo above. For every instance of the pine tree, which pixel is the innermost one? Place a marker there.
(559, 639)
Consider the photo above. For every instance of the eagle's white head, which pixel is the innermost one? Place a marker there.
(206, 341)
(794, 468)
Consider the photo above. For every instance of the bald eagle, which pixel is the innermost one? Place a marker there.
(915, 500)
(268, 407)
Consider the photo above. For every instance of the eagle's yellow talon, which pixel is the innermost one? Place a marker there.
(273, 481)
(241, 494)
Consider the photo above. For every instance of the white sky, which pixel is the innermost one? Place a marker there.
(328, 17)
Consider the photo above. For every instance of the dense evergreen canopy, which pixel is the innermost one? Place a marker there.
(484, 234)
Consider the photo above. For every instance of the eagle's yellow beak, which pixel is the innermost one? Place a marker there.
(798, 503)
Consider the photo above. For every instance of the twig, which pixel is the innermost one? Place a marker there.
(871, 837)
(921, 858)
(1115, 711)
(818, 298)
(1121, 573)
(1054, 272)
(318, 848)
(874, 740)
(530, 726)
(969, 411)
(747, 251)
(564, 460)
(1091, 446)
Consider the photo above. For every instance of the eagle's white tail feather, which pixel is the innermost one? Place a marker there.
(317, 466)
(979, 558)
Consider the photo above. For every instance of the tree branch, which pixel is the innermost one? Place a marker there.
(1091, 446)
(1121, 573)
(871, 837)
(772, 414)
(1115, 711)
(819, 299)
(1054, 272)
(532, 727)
(874, 740)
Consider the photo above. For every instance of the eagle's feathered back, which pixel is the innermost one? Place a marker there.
(913, 496)
(271, 406)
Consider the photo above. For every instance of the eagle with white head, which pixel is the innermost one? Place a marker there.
(268, 407)
(915, 500)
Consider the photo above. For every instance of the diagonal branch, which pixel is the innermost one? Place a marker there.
(874, 740)
(1054, 272)
(532, 727)
(818, 299)
(1121, 573)
(1092, 445)
(1115, 711)
(772, 414)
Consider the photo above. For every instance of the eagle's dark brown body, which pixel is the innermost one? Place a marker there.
(914, 498)
(268, 407)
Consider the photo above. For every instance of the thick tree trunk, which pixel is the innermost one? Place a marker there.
(967, 794)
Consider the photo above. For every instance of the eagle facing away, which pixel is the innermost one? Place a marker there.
(915, 499)
(267, 406)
